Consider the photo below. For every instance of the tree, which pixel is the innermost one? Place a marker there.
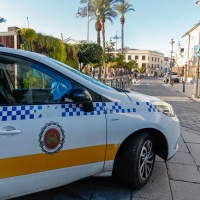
(122, 8)
(28, 36)
(101, 10)
(2, 20)
(109, 49)
(89, 53)
(93, 14)
(132, 65)
(142, 69)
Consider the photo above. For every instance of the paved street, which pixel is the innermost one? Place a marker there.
(177, 179)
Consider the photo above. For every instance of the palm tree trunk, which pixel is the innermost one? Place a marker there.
(122, 39)
(98, 37)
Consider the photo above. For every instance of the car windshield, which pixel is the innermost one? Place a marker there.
(88, 78)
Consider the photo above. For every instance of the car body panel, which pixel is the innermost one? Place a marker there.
(90, 139)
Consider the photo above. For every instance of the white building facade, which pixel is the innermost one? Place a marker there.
(166, 64)
(190, 38)
(151, 60)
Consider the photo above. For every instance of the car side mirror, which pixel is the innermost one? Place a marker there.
(80, 96)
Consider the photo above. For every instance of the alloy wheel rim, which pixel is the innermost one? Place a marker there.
(146, 160)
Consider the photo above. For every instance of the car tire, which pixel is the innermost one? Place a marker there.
(137, 161)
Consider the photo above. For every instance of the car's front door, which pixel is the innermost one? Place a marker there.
(44, 142)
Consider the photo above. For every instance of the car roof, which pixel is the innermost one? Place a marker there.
(29, 54)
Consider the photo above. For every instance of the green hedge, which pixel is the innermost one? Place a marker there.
(49, 46)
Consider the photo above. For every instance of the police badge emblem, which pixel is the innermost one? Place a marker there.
(51, 138)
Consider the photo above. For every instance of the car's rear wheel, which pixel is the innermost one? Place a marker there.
(137, 160)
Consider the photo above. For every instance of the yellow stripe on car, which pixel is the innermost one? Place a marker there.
(29, 164)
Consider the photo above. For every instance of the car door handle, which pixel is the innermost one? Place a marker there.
(9, 132)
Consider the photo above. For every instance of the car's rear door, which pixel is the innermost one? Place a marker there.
(44, 143)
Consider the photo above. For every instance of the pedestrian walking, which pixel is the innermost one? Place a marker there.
(134, 77)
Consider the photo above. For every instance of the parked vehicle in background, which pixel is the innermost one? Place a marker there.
(175, 77)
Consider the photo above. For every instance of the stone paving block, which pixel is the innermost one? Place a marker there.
(182, 158)
(182, 172)
(106, 188)
(77, 190)
(183, 128)
(190, 137)
(61, 196)
(194, 131)
(195, 151)
(159, 159)
(181, 145)
(138, 198)
(185, 190)
(158, 186)
(111, 195)
(44, 195)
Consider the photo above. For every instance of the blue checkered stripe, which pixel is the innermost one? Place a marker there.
(16, 113)
(121, 107)
(151, 108)
(77, 110)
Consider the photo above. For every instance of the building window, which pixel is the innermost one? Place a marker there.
(158, 59)
(152, 58)
(143, 57)
(148, 58)
(155, 59)
(136, 64)
(151, 65)
(161, 61)
(129, 57)
(158, 65)
(136, 57)
(144, 65)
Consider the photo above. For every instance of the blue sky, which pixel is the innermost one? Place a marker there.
(153, 24)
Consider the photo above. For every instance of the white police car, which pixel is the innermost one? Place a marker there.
(58, 125)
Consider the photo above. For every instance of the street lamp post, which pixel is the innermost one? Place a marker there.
(116, 38)
(171, 62)
(28, 22)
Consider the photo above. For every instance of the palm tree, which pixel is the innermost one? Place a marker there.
(100, 10)
(108, 12)
(93, 14)
(2, 20)
(122, 8)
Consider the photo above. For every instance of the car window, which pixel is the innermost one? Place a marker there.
(30, 83)
(88, 78)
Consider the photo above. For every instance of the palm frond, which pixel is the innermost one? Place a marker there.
(2, 20)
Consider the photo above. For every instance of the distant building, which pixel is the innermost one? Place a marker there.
(166, 64)
(10, 38)
(70, 40)
(179, 56)
(190, 38)
(151, 60)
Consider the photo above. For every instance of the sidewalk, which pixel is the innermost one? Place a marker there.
(189, 87)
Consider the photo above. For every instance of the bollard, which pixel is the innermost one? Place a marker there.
(183, 86)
